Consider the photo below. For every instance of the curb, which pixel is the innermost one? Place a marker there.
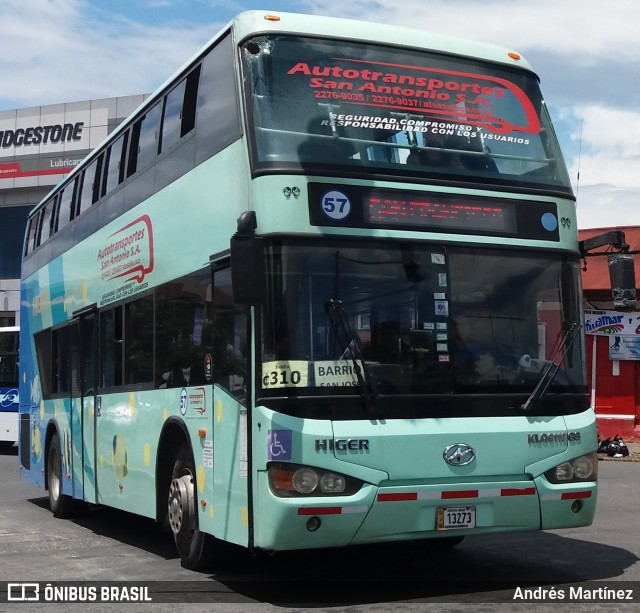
(632, 457)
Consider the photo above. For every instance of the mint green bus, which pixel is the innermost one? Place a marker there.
(321, 289)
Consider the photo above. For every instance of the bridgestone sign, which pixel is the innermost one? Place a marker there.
(55, 133)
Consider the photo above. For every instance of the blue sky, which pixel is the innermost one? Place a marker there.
(587, 53)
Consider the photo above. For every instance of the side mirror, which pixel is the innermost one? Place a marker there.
(248, 269)
(623, 281)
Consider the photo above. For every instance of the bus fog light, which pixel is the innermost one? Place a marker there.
(332, 483)
(313, 524)
(576, 506)
(305, 480)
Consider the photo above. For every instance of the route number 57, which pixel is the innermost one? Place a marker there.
(336, 205)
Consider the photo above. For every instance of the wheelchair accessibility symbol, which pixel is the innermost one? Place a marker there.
(279, 442)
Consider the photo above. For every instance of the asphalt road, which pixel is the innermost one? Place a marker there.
(107, 545)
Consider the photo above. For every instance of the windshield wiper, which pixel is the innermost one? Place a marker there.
(366, 381)
(551, 369)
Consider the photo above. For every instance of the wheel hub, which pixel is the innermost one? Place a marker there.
(181, 504)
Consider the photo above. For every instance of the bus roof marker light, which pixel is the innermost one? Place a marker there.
(272, 17)
(514, 56)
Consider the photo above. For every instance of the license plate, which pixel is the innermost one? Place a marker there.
(450, 518)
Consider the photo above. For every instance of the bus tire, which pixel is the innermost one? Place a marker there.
(196, 549)
(61, 505)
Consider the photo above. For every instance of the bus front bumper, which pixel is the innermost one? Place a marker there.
(408, 513)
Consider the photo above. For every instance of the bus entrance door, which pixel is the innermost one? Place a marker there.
(84, 406)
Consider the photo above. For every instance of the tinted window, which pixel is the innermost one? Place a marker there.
(111, 347)
(9, 358)
(114, 174)
(172, 116)
(217, 110)
(90, 182)
(46, 218)
(66, 205)
(44, 356)
(372, 109)
(144, 141)
(65, 374)
(230, 338)
(138, 345)
(126, 344)
(180, 110)
(184, 331)
(31, 233)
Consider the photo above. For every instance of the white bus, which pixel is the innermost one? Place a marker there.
(9, 340)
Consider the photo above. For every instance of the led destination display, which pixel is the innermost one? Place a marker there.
(425, 212)
(358, 207)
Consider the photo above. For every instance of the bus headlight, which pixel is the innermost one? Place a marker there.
(291, 480)
(583, 468)
(305, 480)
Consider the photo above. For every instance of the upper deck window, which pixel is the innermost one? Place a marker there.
(369, 109)
(114, 174)
(144, 140)
(90, 184)
(65, 207)
(179, 111)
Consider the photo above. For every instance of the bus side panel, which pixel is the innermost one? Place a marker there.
(127, 430)
(56, 413)
(228, 517)
(35, 314)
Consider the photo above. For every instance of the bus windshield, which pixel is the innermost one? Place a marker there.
(319, 105)
(419, 319)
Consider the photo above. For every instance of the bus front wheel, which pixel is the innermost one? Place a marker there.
(195, 547)
(61, 505)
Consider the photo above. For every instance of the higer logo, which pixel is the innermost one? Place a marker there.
(342, 444)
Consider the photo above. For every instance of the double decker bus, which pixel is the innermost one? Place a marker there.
(321, 289)
(9, 342)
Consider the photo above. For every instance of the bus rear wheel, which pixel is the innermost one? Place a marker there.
(61, 505)
(196, 548)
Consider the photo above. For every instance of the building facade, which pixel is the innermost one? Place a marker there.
(613, 345)
(39, 146)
